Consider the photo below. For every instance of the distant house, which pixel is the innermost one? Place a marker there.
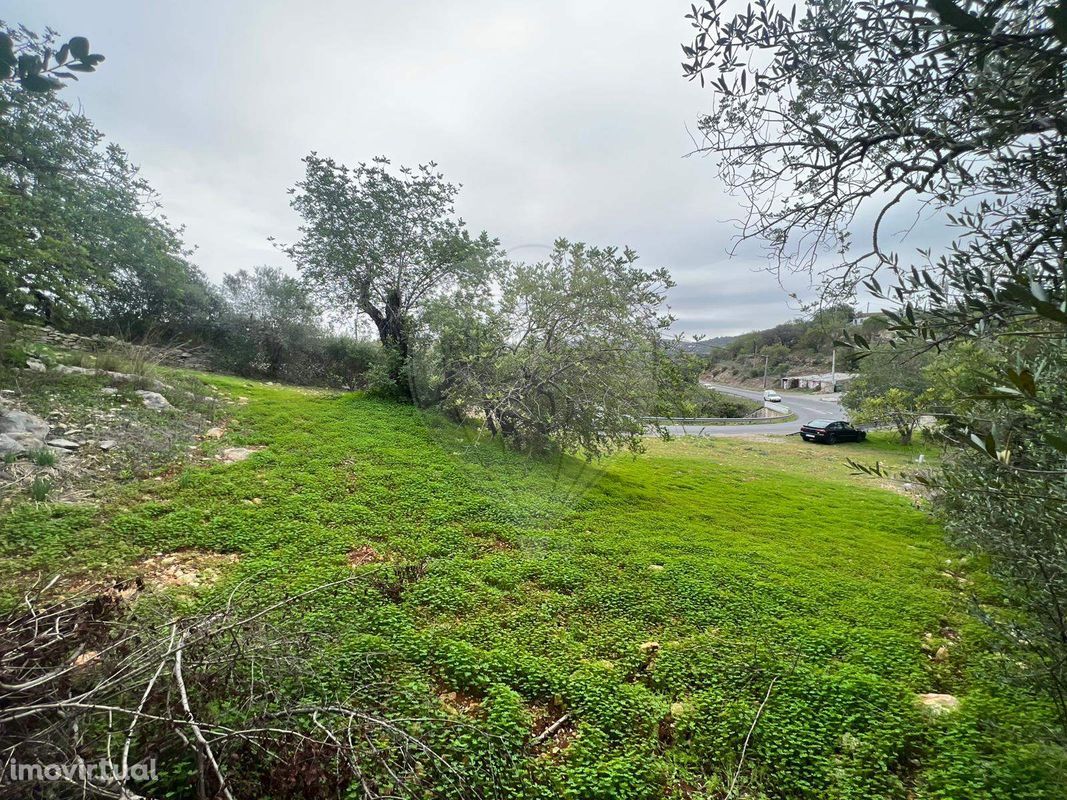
(825, 382)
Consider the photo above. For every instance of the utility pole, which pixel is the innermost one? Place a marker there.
(766, 361)
(833, 370)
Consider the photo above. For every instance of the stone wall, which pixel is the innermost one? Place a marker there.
(171, 356)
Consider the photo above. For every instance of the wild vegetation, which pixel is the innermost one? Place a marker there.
(805, 345)
(770, 627)
(476, 575)
(856, 116)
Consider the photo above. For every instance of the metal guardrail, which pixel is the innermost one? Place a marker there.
(784, 414)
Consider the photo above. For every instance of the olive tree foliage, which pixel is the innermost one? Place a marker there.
(889, 392)
(843, 111)
(273, 328)
(271, 315)
(563, 355)
(33, 63)
(383, 242)
(835, 117)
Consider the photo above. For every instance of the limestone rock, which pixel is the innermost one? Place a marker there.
(153, 400)
(213, 433)
(36, 365)
(234, 454)
(65, 444)
(110, 391)
(106, 444)
(66, 369)
(939, 703)
(20, 432)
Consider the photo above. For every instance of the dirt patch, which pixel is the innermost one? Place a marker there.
(361, 556)
(553, 730)
(186, 568)
(459, 703)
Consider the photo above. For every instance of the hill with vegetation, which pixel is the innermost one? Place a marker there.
(803, 346)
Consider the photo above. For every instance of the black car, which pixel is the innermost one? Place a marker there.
(831, 432)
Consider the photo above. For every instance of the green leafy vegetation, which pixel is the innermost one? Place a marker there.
(658, 602)
(43, 458)
(694, 400)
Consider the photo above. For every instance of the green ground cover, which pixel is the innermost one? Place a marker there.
(673, 606)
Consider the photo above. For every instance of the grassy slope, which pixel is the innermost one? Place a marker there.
(761, 570)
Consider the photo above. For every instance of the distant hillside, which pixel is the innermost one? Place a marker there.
(704, 346)
(800, 346)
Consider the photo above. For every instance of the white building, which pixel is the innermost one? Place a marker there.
(825, 382)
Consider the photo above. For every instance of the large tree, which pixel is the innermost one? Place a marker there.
(82, 239)
(383, 242)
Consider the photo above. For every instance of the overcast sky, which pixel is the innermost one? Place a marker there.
(559, 119)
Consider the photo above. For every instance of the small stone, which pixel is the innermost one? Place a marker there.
(107, 444)
(110, 391)
(153, 400)
(941, 654)
(65, 444)
(213, 433)
(234, 454)
(649, 647)
(655, 568)
(84, 659)
(36, 365)
(939, 703)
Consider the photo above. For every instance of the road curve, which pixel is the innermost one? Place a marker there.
(805, 406)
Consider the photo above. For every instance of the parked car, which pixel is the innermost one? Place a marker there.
(831, 432)
(772, 396)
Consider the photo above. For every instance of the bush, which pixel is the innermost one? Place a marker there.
(700, 401)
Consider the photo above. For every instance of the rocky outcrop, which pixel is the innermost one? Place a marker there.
(21, 432)
(171, 356)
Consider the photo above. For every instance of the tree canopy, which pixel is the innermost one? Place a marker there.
(383, 242)
(566, 355)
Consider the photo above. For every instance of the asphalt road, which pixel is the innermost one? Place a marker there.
(805, 406)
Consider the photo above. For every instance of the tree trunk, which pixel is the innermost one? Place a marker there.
(393, 334)
(905, 433)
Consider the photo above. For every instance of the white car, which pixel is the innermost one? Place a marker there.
(772, 396)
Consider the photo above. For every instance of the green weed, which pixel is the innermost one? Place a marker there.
(43, 457)
(39, 489)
